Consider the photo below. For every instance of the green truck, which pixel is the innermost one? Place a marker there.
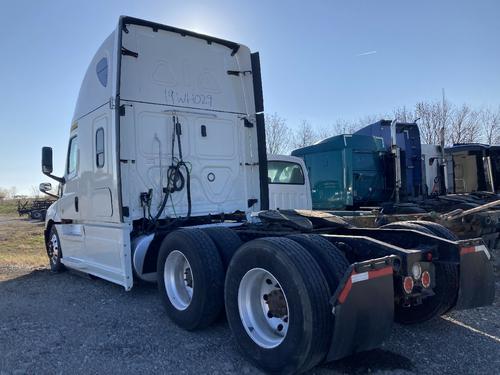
(347, 172)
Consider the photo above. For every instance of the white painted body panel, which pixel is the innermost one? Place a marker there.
(187, 77)
(290, 196)
(172, 75)
(430, 170)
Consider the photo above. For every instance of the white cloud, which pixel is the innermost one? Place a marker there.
(367, 53)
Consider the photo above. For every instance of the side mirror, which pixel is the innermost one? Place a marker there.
(45, 187)
(47, 164)
(46, 161)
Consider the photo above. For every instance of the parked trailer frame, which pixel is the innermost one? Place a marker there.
(35, 209)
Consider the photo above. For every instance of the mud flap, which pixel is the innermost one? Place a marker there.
(363, 306)
(477, 283)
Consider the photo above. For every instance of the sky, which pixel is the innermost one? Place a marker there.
(321, 60)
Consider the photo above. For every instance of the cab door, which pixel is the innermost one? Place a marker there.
(70, 230)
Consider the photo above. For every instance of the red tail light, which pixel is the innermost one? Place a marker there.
(408, 284)
(426, 279)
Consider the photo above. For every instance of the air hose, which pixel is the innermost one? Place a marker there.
(176, 181)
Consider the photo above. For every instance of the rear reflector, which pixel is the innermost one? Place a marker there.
(426, 279)
(408, 284)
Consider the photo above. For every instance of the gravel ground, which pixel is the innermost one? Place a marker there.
(66, 323)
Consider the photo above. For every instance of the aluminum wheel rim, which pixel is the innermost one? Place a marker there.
(53, 249)
(178, 278)
(265, 329)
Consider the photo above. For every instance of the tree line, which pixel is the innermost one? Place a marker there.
(460, 123)
(12, 193)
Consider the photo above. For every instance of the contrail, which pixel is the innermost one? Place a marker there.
(367, 53)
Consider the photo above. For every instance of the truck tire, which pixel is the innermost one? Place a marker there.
(330, 259)
(36, 215)
(277, 305)
(226, 241)
(445, 291)
(407, 225)
(437, 229)
(190, 278)
(54, 251)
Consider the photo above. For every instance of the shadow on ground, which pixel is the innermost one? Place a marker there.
(372, 361)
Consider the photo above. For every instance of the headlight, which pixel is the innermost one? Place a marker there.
(416, 271)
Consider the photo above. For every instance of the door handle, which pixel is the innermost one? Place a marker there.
(76, 204)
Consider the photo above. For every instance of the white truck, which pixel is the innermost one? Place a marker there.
(289, 186)
(166, 181)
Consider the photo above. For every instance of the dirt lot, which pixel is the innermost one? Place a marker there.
(67, 323)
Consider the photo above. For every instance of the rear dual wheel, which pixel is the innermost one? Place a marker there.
(190, 278)
(276, 294)
(277, 305)
(191, 269)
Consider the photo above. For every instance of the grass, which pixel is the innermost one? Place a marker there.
(21, 240)
(8, 207)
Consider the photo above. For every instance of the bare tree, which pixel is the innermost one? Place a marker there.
(403, 114)
(432, 118)
(437, 120)
(341, 126)
(305, 135)
(464, 126)
(367, 120)
(326, 132)
(490, 122)
(278, 134)
(35, 192)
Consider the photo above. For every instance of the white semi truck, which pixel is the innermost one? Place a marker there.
(288, 180)
(166, 181)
